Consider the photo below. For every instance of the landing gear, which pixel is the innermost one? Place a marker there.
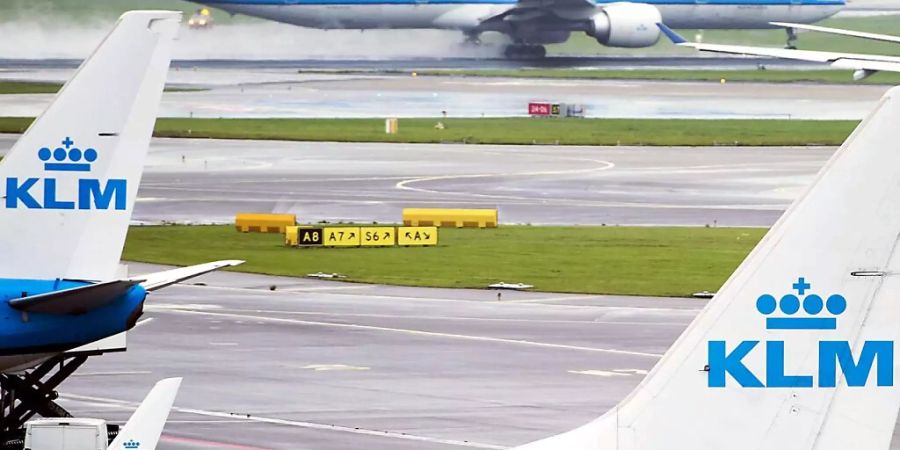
(34, 393)
(791, 38)
(472, 40)
(524, 51)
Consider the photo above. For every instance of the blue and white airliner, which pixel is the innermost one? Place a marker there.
(532, 23)
(69, 187)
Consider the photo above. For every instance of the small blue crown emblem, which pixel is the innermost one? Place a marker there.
(789, 304)
(67, 158)
(132, 444)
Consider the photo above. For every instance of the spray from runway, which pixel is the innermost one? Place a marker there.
(42, 36)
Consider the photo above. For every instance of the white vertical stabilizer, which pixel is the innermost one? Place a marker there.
(143, 429)
(69, 184)
(797, 350)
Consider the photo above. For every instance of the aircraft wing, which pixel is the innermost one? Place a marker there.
(157, 280)
(868, 64)
(81, 299)
(840, 32)
(77, 300)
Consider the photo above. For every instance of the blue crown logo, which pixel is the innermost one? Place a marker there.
(132, 444)
(789, 304)
(67, 158)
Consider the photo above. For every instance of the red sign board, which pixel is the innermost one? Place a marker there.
(539, 109)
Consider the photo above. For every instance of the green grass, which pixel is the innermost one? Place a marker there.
(767, 76)
(510, 131)
(17, 87)
(30, 87)
(601, 260)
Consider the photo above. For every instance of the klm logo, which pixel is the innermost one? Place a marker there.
(835, 357)
(44, 193)
(132, 444)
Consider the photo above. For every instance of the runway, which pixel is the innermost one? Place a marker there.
(349, 366)
(211, 180)
(702, 61)
(265, 93)
(358, 366)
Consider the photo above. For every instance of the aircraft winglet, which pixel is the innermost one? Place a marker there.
(671, 34)
(145, 426)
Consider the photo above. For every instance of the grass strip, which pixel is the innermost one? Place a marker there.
(27, 87)
(667, 261)
(34, 87)
(520, 130)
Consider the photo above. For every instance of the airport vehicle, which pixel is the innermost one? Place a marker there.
(142, 431)
(531, 23)
(201, 20)
(69, 188)
(797, 350)
(863, 65)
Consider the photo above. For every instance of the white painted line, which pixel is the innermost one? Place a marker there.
(632, 371)
(463, 318)
(104, 374)
(289, 423)
(425, 333)
(332, 367)
(599, 373)
(405, 184)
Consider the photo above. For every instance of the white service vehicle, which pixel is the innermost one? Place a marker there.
(141, 432)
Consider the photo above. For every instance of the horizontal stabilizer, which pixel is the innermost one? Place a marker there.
(154, 281)
(77, 300)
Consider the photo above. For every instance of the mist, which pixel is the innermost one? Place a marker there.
(45, 37)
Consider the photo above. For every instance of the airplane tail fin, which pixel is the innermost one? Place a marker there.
(797, 349)
(71, 180)
(145, 426)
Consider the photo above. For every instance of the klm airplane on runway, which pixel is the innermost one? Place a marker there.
(69, 186)
(533, 23)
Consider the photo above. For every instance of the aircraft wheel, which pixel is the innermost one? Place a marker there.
(519, 51)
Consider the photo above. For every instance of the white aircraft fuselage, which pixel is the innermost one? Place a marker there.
(468, 15)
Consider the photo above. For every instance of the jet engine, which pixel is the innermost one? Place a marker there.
(628, 25)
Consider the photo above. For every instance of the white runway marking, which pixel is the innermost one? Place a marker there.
(425, 333)
(612, 373)
(104, 374)
(405, 184)
(291, 423)
(470, 319)
(333, 367)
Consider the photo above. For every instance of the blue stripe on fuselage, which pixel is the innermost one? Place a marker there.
(23, 333)
(400, 2)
